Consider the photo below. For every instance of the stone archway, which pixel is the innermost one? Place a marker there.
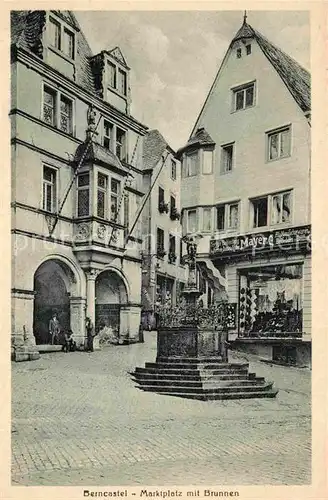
(54, 284)
(111, 296)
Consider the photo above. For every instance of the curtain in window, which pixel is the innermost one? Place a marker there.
(276, 209)
(207, 216)
(285, 143)
(249, 96)
(286, 211)
(239, 99)
(233, 216)
(273, 145)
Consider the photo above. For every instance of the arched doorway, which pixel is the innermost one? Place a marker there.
(111, 295)
(52, 286)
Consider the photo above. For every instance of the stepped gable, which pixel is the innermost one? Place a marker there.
(154, 147)
(296, 78)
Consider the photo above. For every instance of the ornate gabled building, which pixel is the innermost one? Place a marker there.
(163, 268)
(245, 188)
(77, 183)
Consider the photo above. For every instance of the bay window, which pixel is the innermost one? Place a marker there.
(207, 162)
(114, 198)
(83, 195)
(102, 182)
(207, 219)
(192, 223)
(191, 165)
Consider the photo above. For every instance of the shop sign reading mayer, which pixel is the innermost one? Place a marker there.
(292, 239)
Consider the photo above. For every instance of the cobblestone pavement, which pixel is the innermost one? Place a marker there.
(77, 419)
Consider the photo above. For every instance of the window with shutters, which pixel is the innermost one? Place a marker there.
(49, 198)
(160, 242)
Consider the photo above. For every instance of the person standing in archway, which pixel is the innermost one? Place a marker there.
(90, 334)
(54, 328)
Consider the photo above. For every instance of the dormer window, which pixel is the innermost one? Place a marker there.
(117, 78)
(61, 38)
(122, 82)
(111, 75)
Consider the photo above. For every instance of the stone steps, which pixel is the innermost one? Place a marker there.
(153, 375)
(264, 387)
(205, 384)
(223, 396)
(201, 378)
(197, 365)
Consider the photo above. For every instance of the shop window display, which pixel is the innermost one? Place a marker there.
(270, 301)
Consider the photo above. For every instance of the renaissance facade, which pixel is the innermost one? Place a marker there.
(77, 183)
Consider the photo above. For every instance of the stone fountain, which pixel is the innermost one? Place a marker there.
(192, 355)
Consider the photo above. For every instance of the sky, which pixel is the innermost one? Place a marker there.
(174, 56)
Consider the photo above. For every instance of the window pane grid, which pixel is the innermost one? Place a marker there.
(83, 202)
(49, 106)
(65, 114)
